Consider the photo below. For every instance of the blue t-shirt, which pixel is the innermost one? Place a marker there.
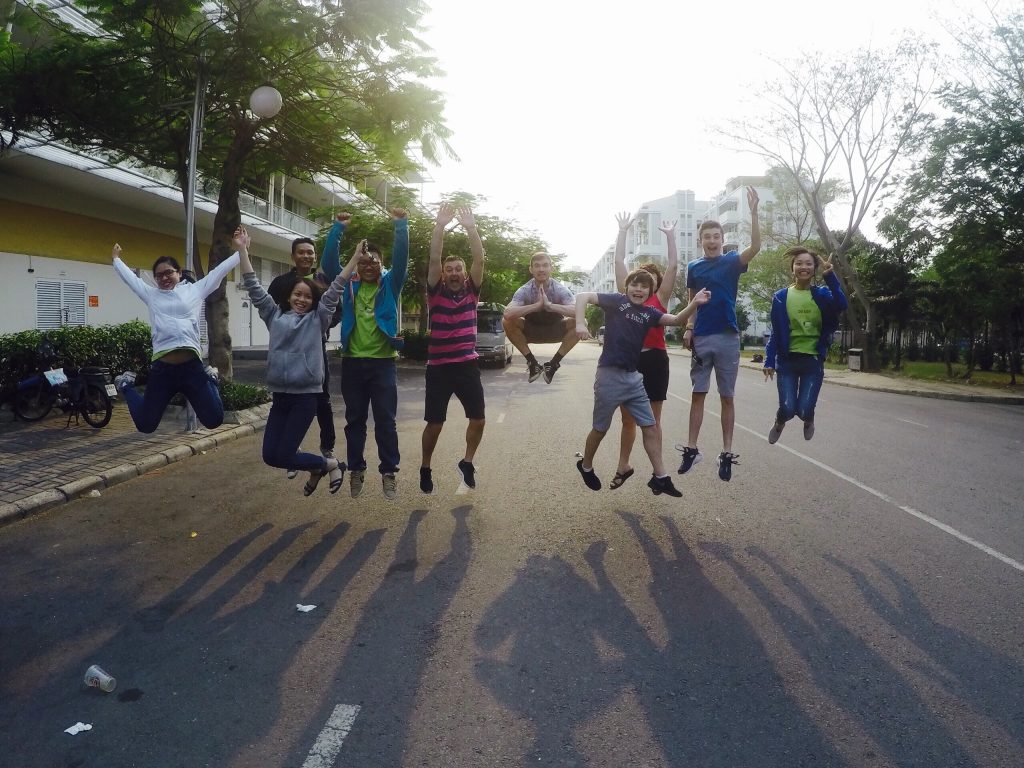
(721, 276)
(625, 326)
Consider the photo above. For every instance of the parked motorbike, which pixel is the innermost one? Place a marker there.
(86, 392)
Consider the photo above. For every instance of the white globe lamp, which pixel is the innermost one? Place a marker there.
(265, 102)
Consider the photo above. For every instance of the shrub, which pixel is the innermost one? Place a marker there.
(238, 396)
(985, 357)
(913, 351)
(415, 345)
(835, 353)
(125, 347)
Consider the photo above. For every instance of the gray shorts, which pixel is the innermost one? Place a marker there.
(720, 351)
(614, 387)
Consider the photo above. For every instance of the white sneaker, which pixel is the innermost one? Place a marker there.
(126, 379)
(390, 483)
(355, 480)
(213, 373)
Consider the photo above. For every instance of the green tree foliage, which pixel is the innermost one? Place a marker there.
(352, 75)
(967, 194)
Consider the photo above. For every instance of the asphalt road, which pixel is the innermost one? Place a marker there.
(849, 601)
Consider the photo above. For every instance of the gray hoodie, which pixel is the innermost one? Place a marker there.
(295, 362)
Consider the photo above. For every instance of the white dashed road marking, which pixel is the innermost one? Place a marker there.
(328, 744)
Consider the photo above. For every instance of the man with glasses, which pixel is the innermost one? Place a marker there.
(369, 342)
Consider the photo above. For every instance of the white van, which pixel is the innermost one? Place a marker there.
(491, 343)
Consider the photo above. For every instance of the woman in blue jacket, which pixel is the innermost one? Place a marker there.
(804, 317)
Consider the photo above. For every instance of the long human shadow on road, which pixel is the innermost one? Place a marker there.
(713, 696)
(394, 640)
(184, 662)
(856, 677)
(710, 696)
(984, 678)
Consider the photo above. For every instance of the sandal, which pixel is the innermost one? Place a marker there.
(337, 476)
(314, 478)
(620, 478)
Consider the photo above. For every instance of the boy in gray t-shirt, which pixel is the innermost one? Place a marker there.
(617, 382)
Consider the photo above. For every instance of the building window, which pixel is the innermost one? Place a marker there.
(59, 303)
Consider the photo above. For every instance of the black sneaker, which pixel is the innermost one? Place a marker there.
(549, 371)
(468, 473)
(725, 462)
(808, 430)
(664, 485)
(534, 372)
(426, 480)
(589, 477)
(691, 456)
(776, 432)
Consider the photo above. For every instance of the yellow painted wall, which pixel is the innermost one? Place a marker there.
(37, 231)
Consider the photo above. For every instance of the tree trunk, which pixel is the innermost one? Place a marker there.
(226, 221)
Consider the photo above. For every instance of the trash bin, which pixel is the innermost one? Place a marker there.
(854, 356)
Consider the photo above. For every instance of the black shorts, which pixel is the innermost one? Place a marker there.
(653, 365)
(544, 327)
(459, 379)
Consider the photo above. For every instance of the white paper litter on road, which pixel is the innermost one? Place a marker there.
(305, 608)
(78, 728)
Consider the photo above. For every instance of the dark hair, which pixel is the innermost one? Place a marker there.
(167, 260)
(798, 250)
(314, 287)
(299, 240)
(654, 269)
(374, 248)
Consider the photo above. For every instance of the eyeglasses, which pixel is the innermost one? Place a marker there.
(164, 273)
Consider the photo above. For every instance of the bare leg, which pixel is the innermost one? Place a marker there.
(728, 422)
(474, 431)
(515, 330)
(652, 444)
(696, 416)
(593, 441)
(430, 434)
(626, 440)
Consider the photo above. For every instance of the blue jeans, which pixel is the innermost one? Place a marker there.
(366, 382)
(289, 419)
(165, 381)
(799, 382)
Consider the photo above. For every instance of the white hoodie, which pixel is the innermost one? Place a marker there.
(174, 314)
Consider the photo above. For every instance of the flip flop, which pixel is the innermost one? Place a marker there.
(337, 476)
(620, 478)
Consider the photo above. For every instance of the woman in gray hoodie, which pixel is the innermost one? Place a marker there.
(295, 368)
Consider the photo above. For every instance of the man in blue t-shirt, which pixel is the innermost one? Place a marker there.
(617, 382)
(713, 337)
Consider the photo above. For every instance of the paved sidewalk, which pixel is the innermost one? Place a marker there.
(45, 464)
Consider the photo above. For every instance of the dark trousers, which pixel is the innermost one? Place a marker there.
(799, 382)
(167, 380)
(289, 420)
(370, 382)
(324, 412)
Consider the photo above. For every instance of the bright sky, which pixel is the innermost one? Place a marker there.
(565, 112)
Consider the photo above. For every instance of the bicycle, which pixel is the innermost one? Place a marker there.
(80, 394)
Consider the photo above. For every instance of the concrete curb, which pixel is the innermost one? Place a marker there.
(253, 421)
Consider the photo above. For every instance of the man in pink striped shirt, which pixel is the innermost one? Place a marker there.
(452, 296)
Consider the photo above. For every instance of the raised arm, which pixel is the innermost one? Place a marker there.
(839, 302)
(241, 242)
(755, 228)
(330, 259)
(625, 222)
(139, 287)
(262, 300)
(679, 318)
(582, 299)
(445, 214)
(212, 279)
(668, 282)
(476, 246)
(400, 250)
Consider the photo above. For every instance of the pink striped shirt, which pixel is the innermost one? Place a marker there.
(452, 324)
